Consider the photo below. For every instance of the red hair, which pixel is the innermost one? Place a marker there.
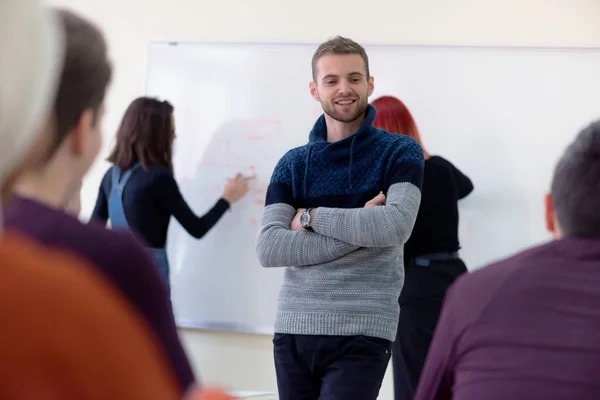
(393, 116)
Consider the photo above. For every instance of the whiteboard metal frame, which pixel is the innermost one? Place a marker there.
(371, 44)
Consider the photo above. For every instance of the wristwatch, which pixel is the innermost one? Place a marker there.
(305, 219)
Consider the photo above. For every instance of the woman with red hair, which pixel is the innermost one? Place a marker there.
(431, 258)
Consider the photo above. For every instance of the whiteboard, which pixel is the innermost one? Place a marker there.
(501, 115)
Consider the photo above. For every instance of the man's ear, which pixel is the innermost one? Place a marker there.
(549, 214)
(80, 133)
(314, 91)
(371, 86)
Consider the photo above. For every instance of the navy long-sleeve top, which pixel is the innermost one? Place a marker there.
(436, 227)
(150, 198)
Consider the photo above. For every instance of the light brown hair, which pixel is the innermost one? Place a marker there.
(340, 46)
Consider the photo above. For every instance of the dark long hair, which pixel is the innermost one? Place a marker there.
(145, 135)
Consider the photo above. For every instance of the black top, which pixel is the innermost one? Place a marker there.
(150, 198)
(436, 227)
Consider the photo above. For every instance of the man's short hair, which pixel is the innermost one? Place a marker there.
(85, 75)
(575, 188)
(340, 46)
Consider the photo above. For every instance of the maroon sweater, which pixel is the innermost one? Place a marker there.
(120, 258)
(524, 328)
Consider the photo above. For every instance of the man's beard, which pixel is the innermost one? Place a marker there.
(361, 107)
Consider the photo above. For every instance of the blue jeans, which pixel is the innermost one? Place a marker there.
(159, 256)
(330, 367)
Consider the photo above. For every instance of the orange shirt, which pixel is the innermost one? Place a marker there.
(66, 334)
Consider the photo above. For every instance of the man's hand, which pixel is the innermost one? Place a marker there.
(296, 226)
(378, 200)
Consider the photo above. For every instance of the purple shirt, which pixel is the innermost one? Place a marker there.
(119, 257)
(527, 327)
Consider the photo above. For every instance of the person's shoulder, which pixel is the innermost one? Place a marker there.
(48, 285)
(49, 264)
(70, 231)
(108, 172)
(513, 263)
(107, 250)
(158, 170)
(473, 292)
(288, 162)
(440, 161)
(156, 173)
(439, 167)
(40, 221)
(123, 245)
(144, 172)
(122, 255)
(295, 154)
(402, 147)
(158, 177)
(391, 139)
(107, 177)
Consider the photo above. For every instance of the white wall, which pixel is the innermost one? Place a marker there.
(245, 361)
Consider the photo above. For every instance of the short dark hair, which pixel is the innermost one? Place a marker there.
(575, 188)
(86, 73)
(145, 135)
(341, 46)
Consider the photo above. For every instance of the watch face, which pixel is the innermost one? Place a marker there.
(304, 217)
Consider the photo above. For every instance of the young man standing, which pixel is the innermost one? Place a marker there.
(338, 211)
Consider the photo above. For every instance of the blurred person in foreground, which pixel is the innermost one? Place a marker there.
(64, 327)
(45, 191)
(527, 327)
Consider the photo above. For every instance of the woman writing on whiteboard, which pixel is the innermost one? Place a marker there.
(139, 191)
(431, 255)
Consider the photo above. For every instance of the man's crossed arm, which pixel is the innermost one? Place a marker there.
(385, 226)
(281, 242)
(279, 246)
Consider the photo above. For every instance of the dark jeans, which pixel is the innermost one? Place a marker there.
(330, 367)
(420, 306)
(159, 256)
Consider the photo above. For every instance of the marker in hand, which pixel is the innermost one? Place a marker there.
(236, 187)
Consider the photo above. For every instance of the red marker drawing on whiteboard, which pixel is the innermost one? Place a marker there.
(252, 173)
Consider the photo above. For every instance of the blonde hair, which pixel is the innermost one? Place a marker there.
(31, 48)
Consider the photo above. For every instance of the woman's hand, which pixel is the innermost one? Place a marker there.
(236, 188)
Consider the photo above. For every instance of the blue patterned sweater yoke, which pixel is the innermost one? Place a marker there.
(345, 277)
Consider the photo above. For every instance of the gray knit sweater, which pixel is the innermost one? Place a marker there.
(346, 276)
